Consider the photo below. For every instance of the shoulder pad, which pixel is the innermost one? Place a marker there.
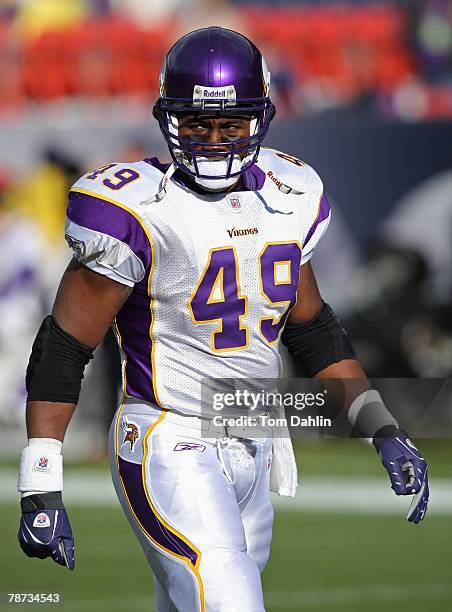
(105, 226)
(288, 173)
(128, 183)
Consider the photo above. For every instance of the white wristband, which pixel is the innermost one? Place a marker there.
(41, 466)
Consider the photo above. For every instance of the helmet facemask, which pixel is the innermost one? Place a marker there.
(201, 162)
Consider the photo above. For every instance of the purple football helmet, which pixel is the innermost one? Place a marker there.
(219, 72)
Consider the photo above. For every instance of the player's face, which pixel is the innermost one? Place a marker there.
(210, 130)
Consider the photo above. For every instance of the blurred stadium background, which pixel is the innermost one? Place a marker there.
(364, 94)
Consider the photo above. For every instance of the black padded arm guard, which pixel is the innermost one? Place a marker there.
(56, 366)
(318, 343)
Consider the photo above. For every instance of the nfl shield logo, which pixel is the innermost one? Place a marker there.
(42, 520)
(235, 203)
(42, 464)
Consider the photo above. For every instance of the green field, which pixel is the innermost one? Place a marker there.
(323, 560)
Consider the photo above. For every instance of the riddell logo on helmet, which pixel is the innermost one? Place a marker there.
(202, 92)
(218, 93)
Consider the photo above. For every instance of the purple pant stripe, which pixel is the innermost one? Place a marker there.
(131, 477)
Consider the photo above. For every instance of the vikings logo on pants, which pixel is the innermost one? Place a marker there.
(132, 433)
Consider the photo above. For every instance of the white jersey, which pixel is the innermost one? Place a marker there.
(214, 276)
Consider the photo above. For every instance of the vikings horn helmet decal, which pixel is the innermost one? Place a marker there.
(215, 71)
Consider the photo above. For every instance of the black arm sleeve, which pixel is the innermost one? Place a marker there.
(56, 365)
(318, 343)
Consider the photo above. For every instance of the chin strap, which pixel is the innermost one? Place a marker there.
(160, 194)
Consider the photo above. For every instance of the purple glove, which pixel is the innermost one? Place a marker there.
(45, 530)
(407, 471)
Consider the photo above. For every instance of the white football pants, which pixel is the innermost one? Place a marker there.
(199, 506)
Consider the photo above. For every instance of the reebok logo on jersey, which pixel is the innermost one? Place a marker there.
(42, 520)
(250, 231)
(75, 244)
(184, 446)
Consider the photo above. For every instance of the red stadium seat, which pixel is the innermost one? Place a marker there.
(112, 56)
(45, 66)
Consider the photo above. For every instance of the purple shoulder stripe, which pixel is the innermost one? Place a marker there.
(103, 216)
(324, 211)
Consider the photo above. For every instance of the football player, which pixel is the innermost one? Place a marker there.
(203, 266)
